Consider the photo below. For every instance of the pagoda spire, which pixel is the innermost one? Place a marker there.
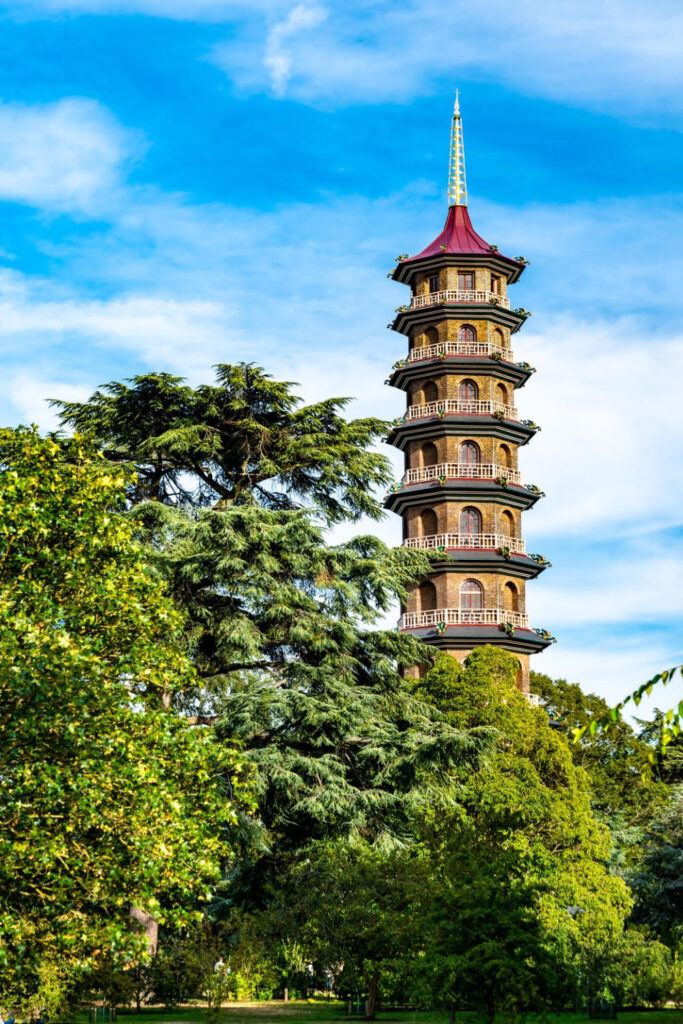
(457, 183)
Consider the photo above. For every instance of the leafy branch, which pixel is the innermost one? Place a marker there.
(671, 721)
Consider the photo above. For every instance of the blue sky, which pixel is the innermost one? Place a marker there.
(184, 182)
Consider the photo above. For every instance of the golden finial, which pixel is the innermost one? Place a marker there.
(457, 184)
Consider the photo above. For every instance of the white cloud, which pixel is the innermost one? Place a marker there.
(627, 584)
(622, 58)
(159, 329)
(28, 396)
(277, 59)
(576, 51)
(62, 157)
(610, 440)
(613, 668)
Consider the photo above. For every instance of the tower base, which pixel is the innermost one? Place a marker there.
(522, 645)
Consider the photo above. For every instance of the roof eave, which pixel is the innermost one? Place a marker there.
(406, 269)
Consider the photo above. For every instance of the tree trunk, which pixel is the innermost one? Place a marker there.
(451, 1015)
(491, 1006)
(286, 994)
(372, 997)
(148, 924)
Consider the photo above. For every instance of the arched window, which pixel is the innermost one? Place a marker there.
(468, 391)
(426, 597)
(430, 456)
(471, 596)
(467, 334)
(431, 336)
(502, 393)
(430, 392)
(505, 456)
(507, 523)
(470, 521)
(469, 454)
(510, 597)
(428, 522)
(498, 338)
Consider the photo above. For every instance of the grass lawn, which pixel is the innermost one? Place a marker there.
(324, 1012)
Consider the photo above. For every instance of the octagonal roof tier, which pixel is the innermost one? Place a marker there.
(459, 238)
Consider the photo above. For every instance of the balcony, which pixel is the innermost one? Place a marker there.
(454, 407)
(533, 699)
(467, 541)
(460, 348)
(461, 471)
(450, 295)
(463, 617)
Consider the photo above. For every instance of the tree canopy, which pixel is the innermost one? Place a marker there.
(244, 440)
(618, 762)
(525, 849)
(281, 624)
(108, 800)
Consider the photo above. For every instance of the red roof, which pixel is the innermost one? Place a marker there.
(458, 237)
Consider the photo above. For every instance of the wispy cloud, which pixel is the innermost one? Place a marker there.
(575, 51)
(66, 156)
(277, 58)
(159, 330)
(603, 56)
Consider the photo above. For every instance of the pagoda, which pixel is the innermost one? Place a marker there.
(462, 495)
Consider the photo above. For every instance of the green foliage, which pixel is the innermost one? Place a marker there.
(657, 879)
(617, 762)
(243, 440)
(641, 971)
(525, 850)
(279, 622)
(667, 759)
(672, 719)
(355, 908)
(431, 836)
(108, 799)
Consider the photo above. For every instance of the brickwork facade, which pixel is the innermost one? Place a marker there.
(461, 433)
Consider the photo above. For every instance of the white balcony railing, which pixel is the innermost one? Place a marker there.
(467, 540)
(453, 407)
(456, 295)
(461, 471)
(460, 348)
(533, 699)
(463, 617)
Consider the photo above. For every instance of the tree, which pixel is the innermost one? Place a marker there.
(671, 719)
(641, 971)
(522, 904)
(236, 485)
(656, 879)
(617, 761)
(354, 909)
(486, 947)
(667, 760)
(242, 441)
(108, 800)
